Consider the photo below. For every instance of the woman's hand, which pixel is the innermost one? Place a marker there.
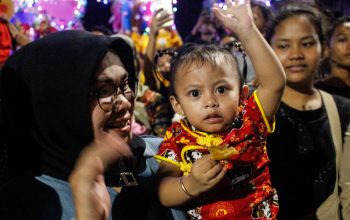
(91, 198)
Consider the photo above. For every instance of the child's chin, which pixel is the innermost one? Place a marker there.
(213, 129)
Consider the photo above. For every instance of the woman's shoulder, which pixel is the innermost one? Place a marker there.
(151, 140)
(152, 144)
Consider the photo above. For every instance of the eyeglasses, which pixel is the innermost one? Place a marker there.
(107, 96)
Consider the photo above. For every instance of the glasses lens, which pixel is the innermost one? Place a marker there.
(106, 91)
(105, 95)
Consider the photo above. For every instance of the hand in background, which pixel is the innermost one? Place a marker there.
(202, 17)
(3, 17)
(160, 18)
(19, 37)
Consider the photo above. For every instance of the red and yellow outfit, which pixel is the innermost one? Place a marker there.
(245, 192)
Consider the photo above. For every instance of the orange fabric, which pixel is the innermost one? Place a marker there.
(5, 42)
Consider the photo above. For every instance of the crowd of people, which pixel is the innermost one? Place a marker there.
(247, 117)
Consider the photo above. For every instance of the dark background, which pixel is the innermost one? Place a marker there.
(189, 10)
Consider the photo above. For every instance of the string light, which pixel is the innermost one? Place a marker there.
(39, 10)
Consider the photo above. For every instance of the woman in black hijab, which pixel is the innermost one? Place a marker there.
(59, 94)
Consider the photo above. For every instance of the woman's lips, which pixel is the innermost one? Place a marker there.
(121, 125)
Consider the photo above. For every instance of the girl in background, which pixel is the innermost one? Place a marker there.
(304, 151)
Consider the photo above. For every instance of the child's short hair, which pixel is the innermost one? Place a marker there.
(200, 54)
(288, 12)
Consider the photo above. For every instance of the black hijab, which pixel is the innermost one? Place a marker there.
(44, 91)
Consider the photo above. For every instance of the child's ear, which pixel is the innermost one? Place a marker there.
(244, 94)
(176, 105)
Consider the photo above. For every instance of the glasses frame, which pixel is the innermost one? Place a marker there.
(96, 93)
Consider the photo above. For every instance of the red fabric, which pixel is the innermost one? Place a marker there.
(5, 42)
(246, 192)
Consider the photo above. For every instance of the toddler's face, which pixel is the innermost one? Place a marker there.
(207, 95)
(339, 48)
(298, 47)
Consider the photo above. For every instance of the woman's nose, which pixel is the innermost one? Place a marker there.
(296, 53)
(121, 103)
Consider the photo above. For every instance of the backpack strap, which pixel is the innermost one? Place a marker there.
(329, 209)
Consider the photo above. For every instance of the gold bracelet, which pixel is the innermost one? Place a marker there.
(184, 188)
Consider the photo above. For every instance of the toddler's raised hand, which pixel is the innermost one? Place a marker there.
(238, 16)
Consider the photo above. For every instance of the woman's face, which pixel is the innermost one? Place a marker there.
(298, 47)
(339, 46)
(112, 100)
